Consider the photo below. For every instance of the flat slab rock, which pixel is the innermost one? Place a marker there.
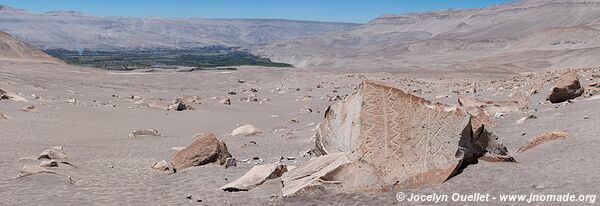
(402, 141)
(311, 176)
(256, 176)
(203, 151)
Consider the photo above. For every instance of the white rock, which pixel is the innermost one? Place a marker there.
(246, 130)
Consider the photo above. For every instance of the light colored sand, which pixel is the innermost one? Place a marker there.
(114, 169)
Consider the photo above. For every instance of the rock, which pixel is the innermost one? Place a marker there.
(246, 130)
(163, 165)
(49, 163)
(205, 150)
(546, 136)
(55, 152)
(177, 148)
(566, 87)
(3, 116)
(520, 98)
(29, 170)
(144, 132)
(159, 104)
(180, 107)
(256, 176)
(313, 175)
(230, 162)
(187, 99)
(395, 140)
(13, 97)
(225, 101)
(487, 146)
(492, 107)
(29, 109)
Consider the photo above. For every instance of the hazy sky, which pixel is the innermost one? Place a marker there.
(359, 11)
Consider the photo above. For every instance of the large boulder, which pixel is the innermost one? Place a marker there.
(394, 140)
(566, 87)
(256, 176)
(203, 151)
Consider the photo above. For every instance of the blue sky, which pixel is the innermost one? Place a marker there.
(358, 11)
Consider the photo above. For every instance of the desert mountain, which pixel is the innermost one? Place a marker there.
(74, 30)
(13, 49)
(519, 36)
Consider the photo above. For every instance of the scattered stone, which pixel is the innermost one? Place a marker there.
(230, 162)
(55, 152)
(177, 148)
(187, 99)
(205, 150)
(256, 176)
(13, 97)
(492, 107)
(335, 98)
(180, 107)
(163, 165)
(29, 170)
(232, 93)
(3, 116)
(29, 109)
(226, 101)
(159, 104)
(566, 87)
(144, 132)
(49, 163)
(586, 117)
(246, 130)
(546, 136)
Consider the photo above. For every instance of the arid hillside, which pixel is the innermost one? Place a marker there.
(12, 48)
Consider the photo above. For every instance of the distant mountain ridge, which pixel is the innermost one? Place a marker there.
(519, 36)
(74, 30)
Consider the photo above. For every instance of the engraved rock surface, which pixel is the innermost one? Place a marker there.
(394, 140)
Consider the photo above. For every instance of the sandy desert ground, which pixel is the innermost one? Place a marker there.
(90, 113)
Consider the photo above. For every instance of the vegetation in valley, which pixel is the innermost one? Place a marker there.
(199, 58)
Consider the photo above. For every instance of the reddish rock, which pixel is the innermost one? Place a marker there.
(566, 87)
(203, 151)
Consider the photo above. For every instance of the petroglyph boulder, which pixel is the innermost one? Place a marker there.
(392, 140)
